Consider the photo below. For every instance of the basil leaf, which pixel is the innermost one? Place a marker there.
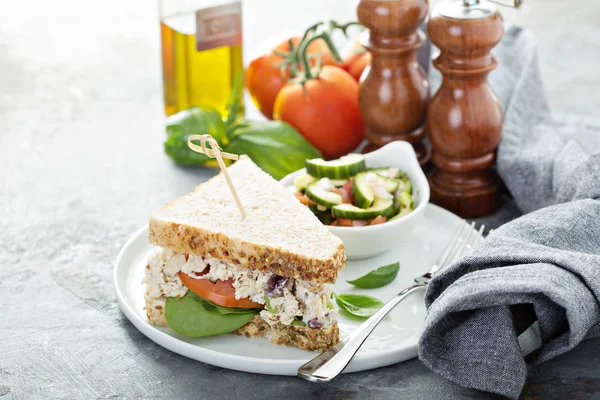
(234, 103)
(359, 305)
(194, 317)
(198, 121)
(194, 121)
(377, 278)
(274, 146)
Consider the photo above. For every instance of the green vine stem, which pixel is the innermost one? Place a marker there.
(298, 55)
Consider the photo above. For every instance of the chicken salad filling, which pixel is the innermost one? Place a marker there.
(285, 300)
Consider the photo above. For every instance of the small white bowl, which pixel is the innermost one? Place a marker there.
(368, 241)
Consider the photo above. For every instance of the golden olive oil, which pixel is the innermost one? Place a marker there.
(192, 77)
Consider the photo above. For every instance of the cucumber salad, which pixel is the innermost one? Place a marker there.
(345, 192)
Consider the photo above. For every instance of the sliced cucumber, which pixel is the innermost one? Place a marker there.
(362, 191)
(324, 216)
(339, 182)
(391, 185)
(404, 200)
(401, 214)
(405, 185)
(363, 188)
(383, 207)
(322, 196)
(385, 172)
(344, 167)
(302, 181)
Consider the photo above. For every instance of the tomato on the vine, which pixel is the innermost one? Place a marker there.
(264, 78)
(356, 59)
(324, 109)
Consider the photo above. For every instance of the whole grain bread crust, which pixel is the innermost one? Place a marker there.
(188, 239)
(288, 335)
(292, 335)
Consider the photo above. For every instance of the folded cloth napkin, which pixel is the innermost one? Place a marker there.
(540, 271)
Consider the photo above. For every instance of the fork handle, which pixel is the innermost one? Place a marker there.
(326, 366)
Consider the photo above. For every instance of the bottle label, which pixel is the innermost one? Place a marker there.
(219, 26)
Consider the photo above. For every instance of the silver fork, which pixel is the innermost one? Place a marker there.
(328, 365)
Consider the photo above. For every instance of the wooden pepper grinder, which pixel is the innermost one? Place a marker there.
(394, 93)
(464, 119)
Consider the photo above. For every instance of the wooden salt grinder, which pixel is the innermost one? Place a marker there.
(464, 120)
(394, 92)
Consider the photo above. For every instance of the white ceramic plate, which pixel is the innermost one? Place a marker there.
(393, 341)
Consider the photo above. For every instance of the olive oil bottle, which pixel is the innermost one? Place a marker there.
(201, 53)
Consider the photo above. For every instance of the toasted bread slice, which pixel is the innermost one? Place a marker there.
(279, 234)
(290, 335)
(302, 337)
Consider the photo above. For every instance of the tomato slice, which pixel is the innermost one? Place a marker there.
(221, 293)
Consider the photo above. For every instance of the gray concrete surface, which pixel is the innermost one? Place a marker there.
(81, 167)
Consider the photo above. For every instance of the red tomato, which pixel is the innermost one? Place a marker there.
(359, 64)
(346, 196)
(378, 220)
(344, 222)
(221, 292)
(356, 59)
(348, 188)
(264, 79)
(325, 111)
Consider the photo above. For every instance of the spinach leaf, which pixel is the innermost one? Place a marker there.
(359, 305)
(377, 278)
(274, 146)
(232, 310)
(194, 121)
(194, 317)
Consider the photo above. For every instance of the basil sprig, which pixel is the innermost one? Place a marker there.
(274, 146)
(377, 278)
(193, 316)
(359, 305)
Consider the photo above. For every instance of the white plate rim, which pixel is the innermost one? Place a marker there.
(241, 362)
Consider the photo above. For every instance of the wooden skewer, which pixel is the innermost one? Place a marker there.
(215, 152)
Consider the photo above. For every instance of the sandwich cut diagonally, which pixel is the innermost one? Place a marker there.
(279, 261)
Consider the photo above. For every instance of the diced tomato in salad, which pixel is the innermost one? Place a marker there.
(346, 196)
(378, 220)
(389, 191)
(304, 200)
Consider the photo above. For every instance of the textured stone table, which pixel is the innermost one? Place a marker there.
(81, 167)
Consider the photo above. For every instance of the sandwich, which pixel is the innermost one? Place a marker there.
(269, 274)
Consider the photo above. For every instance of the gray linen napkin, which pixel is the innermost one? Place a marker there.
(541, 269)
